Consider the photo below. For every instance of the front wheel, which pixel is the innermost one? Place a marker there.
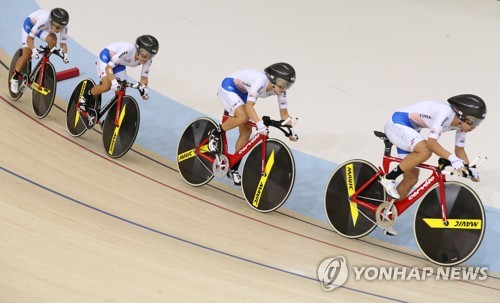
(194, 168)
(43, 91)
(452, 244)
(74, 122)
(119, 137)
(267, 191)
(347, 218)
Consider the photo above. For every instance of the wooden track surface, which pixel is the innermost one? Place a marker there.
(77, 226)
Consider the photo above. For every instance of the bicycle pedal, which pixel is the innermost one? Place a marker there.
(390, 232)
(22, 85)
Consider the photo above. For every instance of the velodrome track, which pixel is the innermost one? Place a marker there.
(76, 226)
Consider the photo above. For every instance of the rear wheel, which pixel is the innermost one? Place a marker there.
(195, 169)
(347, 218)
(267, 192)
(43, 91)
(119, 138)
(453, 244)
(26, 71)
(74, 122)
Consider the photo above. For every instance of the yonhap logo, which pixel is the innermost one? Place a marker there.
(332, 273)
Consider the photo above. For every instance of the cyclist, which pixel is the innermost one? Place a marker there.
(44, 25)
(463, 113)
(111, 66)
(239, 92)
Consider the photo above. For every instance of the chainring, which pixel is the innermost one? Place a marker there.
(386, 218)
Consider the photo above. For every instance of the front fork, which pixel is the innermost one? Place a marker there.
(120, 95)
(442, 201)
(264, 153)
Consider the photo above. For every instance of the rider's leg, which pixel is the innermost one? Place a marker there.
(21, 62)
(420, 154)
(401, 133)
(51, 40)
(407, 167)
(410, 178)
(243, 138)
(26, 55)
(102, 87)
(238, 117)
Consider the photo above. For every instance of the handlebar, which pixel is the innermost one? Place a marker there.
(44, 49)
(125, 83)
(286, 126)
(476, 163)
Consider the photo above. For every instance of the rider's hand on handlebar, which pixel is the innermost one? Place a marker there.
(474, 173)
(294, 136)
(457, 164)
(65, 58)
(143, 90)
(262, 128)
(115, 85)
(35, 54)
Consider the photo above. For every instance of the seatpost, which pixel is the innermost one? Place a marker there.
(387, 143)
(388, 147)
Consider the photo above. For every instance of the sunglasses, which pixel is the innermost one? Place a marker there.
(145, 54)
(283, 84)
(56, 25)
(472, 121)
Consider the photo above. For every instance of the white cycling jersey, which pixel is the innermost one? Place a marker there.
(403, 128)
(38, 25)
(246, 85)
(118, 55)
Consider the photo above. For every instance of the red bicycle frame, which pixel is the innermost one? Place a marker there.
(45, 59)
(118, 97)
(119, 94)
(238, 155)
(43, 62)
(436, 177)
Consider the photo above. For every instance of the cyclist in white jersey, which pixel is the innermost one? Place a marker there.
(463, 113)
(111, 66)
(44, 25)
(239, 92)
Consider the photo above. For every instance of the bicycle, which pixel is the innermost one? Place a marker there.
(268, 173)
(42, 80)
(119, 129)
(449, 221)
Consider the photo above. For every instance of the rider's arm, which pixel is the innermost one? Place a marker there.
(64, 48)
(460, 152)
(144, 81)
(251, 111)
(31, 42)
(110, 73)
(284, 113)
(437, 149)
(64, 39)
(441, 152)
(145, 72)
